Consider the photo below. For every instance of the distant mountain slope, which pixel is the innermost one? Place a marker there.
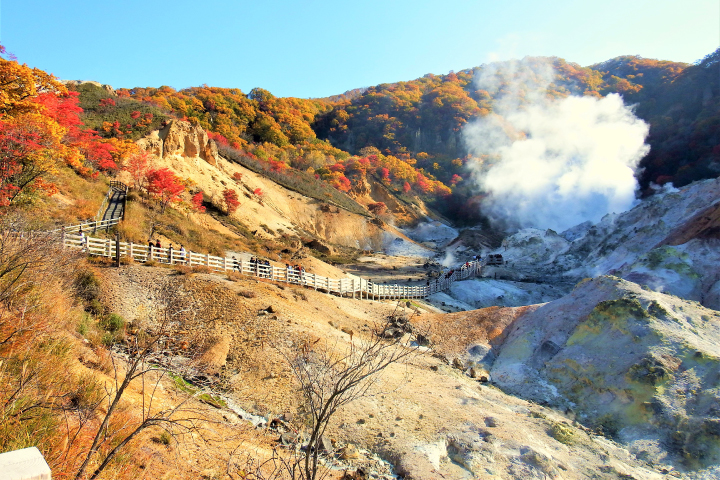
(416, 126)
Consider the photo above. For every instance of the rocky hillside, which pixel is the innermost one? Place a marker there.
(269, 209)
(669, 242)
(437, 417)
(638, 365)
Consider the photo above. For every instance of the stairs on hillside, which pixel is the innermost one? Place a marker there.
(116, 202)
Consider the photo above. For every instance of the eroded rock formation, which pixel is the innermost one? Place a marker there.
(181, 138)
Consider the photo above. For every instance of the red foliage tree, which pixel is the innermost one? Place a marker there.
(277, 166)
(197, 202)
(423, 184)
(406, 187)
(138, 166)
(231, 200)
(455, 179)
(343, 184)
(218, 138)
(165, 186)
(385, 174)
(107, 102)
(237, 176)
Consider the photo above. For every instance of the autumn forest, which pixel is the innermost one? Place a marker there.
(407, 135)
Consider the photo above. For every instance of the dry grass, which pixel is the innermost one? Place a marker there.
(79, 199)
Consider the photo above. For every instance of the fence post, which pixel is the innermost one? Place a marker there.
(117, 249)
(132, 254)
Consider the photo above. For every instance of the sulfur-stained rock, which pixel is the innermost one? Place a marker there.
(626, 361)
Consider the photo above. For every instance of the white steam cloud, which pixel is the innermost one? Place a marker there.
(553, 163)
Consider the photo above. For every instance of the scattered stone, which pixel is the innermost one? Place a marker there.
(271, 309)
(490, 422)
(457, 363)
(288, 438)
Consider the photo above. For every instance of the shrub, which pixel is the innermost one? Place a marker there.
(83, 326)
(87, 284)
(247, 293)
(183, 269)
(233, 276)
(113, 323)
(165, 438)
(562, 433)
(95, 307)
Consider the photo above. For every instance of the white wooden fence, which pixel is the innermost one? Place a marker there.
(355, 286)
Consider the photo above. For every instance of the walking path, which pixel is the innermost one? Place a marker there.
(352, 285)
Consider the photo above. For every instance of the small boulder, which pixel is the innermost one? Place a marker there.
(326, 444)
(349, 452)
(288, 438)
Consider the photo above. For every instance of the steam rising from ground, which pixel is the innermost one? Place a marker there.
(554, 163)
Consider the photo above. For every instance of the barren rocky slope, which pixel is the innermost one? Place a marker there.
(641, 366)
(429, 418)
(669, 242)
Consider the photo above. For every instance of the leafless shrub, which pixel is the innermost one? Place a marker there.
(329, 378)
(141, 363)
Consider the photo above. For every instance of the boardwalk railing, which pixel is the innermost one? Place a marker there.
(98, 221)
(353, 285)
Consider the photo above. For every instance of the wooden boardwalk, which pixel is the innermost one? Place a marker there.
(354, 286)
(112, 211)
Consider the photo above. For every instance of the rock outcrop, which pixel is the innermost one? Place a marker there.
(183, 139)
(640, 366)
(109, 89)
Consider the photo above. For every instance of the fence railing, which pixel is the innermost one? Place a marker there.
(355, 286)
(97, 222)
(87, 226)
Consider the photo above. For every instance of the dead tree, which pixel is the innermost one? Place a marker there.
(331, 377)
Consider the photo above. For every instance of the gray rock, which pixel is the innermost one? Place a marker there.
(288, 438)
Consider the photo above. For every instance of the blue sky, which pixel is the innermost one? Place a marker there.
(318, 48)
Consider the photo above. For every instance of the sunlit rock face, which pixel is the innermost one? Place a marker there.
(641, 366)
